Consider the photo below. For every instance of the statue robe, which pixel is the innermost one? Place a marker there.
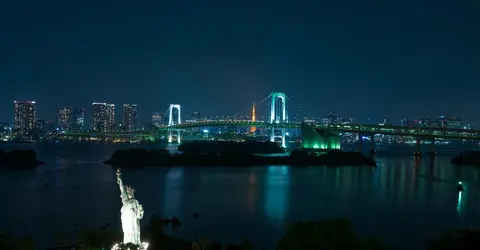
(132, 212)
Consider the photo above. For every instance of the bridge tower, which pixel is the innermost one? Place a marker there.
(171, 121)
(277, 117)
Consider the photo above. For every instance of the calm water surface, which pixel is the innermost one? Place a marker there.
(403, 201)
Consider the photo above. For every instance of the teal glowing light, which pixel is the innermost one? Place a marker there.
(313, 138)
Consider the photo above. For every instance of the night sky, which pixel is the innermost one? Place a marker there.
(404, 59)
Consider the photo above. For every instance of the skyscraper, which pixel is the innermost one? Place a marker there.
(195, 116)
(5, 130)
(64, 118)
(103, 118)
(130, 116)
(156, 118)
(78, 119)
(25, 115)
(98, 117)
(110, 116)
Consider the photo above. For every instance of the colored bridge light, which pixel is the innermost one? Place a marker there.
(205, 131)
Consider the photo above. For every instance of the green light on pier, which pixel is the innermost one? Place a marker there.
(315, 138)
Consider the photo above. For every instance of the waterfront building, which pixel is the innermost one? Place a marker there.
(25, 115)
(130, 117)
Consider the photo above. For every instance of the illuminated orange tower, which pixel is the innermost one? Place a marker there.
(253, 129)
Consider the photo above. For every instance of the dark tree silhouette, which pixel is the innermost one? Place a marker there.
(456, 239)
(325, 235)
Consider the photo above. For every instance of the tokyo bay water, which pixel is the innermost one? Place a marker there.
(403, 201)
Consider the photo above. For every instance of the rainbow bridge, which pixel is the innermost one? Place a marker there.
(277, 122)
(364, 129)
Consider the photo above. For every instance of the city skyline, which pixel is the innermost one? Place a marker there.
(148, 117)
(75, 117)
(70, 121)
(366, 60)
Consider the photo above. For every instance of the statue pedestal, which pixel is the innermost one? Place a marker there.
(143, 246)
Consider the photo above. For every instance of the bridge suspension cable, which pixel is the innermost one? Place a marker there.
(246, 114)
(165, 116)
(295, 111)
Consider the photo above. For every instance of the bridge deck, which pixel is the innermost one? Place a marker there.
(350, 128)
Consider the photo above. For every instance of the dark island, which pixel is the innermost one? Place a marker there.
(471, 158)
(19, 159)
(148, 158)
(247, 147)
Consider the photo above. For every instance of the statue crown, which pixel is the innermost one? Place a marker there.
(129, 190)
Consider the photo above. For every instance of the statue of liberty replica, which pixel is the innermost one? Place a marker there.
(132, 212)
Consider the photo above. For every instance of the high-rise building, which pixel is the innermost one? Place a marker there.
(330, 119)
(49, 126)
(78, 119)
(38, 131)
(452, 122)
(425, 122)
(103, 118)
(98, 117)
(385, 121)
(195, 116)
(130, 116)
(25, 115)
(345, 120)
(64, 118)
(110, 116)
(410, 123)
(39, 124)
(156, 118)
(5, 131)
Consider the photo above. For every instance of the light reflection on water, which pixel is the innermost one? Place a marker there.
(173, 192)
(400, 199)
(459, 203)
(251, 192)
(277, 191)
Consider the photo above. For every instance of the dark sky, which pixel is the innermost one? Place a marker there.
(408, 58)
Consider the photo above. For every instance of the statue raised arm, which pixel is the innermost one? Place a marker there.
(123, 191)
